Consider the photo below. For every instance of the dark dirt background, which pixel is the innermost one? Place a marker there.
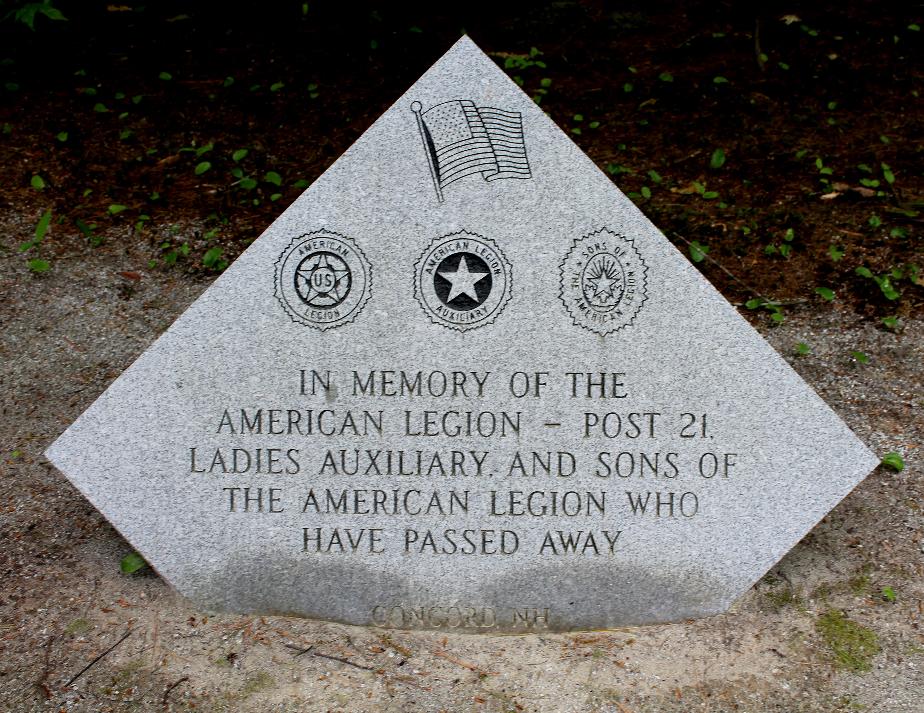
(816, 98)
(808, 102)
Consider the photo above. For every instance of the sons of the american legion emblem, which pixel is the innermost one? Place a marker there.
(603, 281)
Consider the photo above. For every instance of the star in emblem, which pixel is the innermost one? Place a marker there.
(324, 280)
(603, 285)
(463, 281)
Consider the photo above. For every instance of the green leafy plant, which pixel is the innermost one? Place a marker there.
(774, 308)
(886, 281)
(37, 264)
(803, 349)
(718, 159)
(131, 563)
(700, 189)
(88, 232)
(27, 13)
(212, 259)
(826, 293)
(861, 357)
(888, 594)
(698, 251)
(894, 461)
(37, 182)
(893, 323)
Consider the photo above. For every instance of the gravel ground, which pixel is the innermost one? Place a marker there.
(64, 604)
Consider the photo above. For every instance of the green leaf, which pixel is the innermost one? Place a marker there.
(835, 253)
(627, 87)
(301, 183)
(100, 108)
(654, 176)
(785, 250)
(864, 272)
(860, 357)
(248, 184)
(41, 228)
(275, 197)
(38, 265)
(891, 322)
(273, 177)
(803, 349)
(61, 136)
(37, 182)
(204, 149)
(276, 86)
(754, 303)
(894, 461)
(116, 208)
(228, 82)
(888, 594)
(718, 159)
(826, 293)
(666, 77)
(202, 168)
(212, 257)
(874, 221)
(131, 563)
(239, 155)
(646, 192)
(698, 251)
(719, 80)
(887, 174)
(166, 76)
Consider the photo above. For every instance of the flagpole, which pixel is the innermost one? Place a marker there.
(416, 107)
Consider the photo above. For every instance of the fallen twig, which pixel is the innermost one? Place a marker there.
(299, 649)
(342, 660)
(170, 689)
(99, 658)
(464, 664)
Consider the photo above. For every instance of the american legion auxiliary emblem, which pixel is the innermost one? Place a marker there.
(323, 280)
(603, 281)
(462, 281)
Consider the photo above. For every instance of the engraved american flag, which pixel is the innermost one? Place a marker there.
(463, 139)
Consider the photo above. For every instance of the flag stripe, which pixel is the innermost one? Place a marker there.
(471, 146)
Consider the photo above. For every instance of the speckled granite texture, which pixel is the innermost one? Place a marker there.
(462, 383)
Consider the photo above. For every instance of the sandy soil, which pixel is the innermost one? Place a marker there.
(77, 635)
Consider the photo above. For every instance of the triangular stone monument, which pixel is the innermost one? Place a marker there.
(462, 383)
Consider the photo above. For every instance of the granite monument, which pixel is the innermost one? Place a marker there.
(462, 384)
